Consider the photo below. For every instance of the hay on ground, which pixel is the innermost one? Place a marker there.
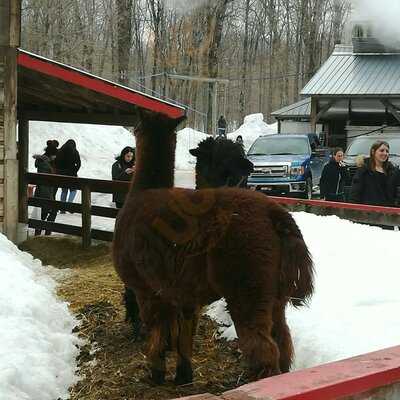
(112, 365)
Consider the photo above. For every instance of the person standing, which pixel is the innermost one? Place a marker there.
(68, 162)
(239, 140)
(333, 177)
(122, 170)
(377, 180)
(44, 165)
(221, 124)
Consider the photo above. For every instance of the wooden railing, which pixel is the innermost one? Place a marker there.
(85, 208)
(389, 216)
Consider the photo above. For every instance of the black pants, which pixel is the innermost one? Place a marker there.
(47, 214)
(119, 204)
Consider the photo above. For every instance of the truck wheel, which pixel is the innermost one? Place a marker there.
(308, 192)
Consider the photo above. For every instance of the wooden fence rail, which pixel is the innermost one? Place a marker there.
(86, 209)
(389, 216)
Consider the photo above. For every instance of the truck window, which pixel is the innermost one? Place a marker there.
(280, 146)
(362, 146)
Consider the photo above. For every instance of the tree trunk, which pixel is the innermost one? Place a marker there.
(124, 39)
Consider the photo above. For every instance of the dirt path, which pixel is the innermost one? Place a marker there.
(112, 365)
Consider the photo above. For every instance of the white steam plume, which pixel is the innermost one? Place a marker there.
(384, 17)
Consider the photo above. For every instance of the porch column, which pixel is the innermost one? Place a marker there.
(23, 154)
(313, 114)
(10, 24)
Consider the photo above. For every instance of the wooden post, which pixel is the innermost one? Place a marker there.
(10, 25)
(214, 107)
(313, 114)
(23, 152)
(86, 217)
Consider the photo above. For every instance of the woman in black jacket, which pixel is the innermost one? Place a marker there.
(122, 170)
(376, 179)
(333, 177)
(68, 162)
(44, 165)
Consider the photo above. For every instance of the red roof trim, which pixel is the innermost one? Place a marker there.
(99, 85)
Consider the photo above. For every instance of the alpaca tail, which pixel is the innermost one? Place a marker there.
(297, 271)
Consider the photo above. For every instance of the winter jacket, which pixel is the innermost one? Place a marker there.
(68, 162)
(375, 188)
(118, 173)
(332, 181)
(221, 123)
(43, 165)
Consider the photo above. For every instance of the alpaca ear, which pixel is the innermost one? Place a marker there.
(194, 152)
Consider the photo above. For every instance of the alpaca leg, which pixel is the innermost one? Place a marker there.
(156, 354)
(281, 335)
(132, 313)
(187, 323)
(158, 318)
(253, 325)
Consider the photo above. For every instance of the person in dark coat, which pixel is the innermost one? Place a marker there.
(377, 179)
(68, 162)
(239, 140)
(122, 170)
(44, 164)
(333, 177)
(221, 124)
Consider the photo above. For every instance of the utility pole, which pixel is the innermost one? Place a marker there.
(10, 27)
(212, 95)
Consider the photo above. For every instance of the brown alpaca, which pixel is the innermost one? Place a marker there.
(180, 249)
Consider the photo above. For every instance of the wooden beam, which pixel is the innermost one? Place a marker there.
(72, 182)
(109, 212)
(80, 118)
(393, 110)
(324, 109)
(214, 108)
(55, 227)
(5, 23)
(10, 26)
(313, 114)
(23, 154)
(15, 23)
(86, 217)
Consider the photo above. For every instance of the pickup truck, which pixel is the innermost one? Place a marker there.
(286, 165)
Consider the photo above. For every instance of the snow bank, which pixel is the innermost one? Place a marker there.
(187, 139)
(253, 127)
(98, 145)
(356, 294)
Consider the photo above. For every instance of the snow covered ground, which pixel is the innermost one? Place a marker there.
(353, 310)
(37, 348)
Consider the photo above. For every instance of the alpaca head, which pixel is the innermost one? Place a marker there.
(220, 163)
(155, 150)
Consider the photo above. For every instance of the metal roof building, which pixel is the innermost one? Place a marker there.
(353, 74)
(356, 86)
(299, 110)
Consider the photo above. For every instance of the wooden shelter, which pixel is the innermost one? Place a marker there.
(36, 88)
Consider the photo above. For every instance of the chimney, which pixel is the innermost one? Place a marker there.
(365, 41)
